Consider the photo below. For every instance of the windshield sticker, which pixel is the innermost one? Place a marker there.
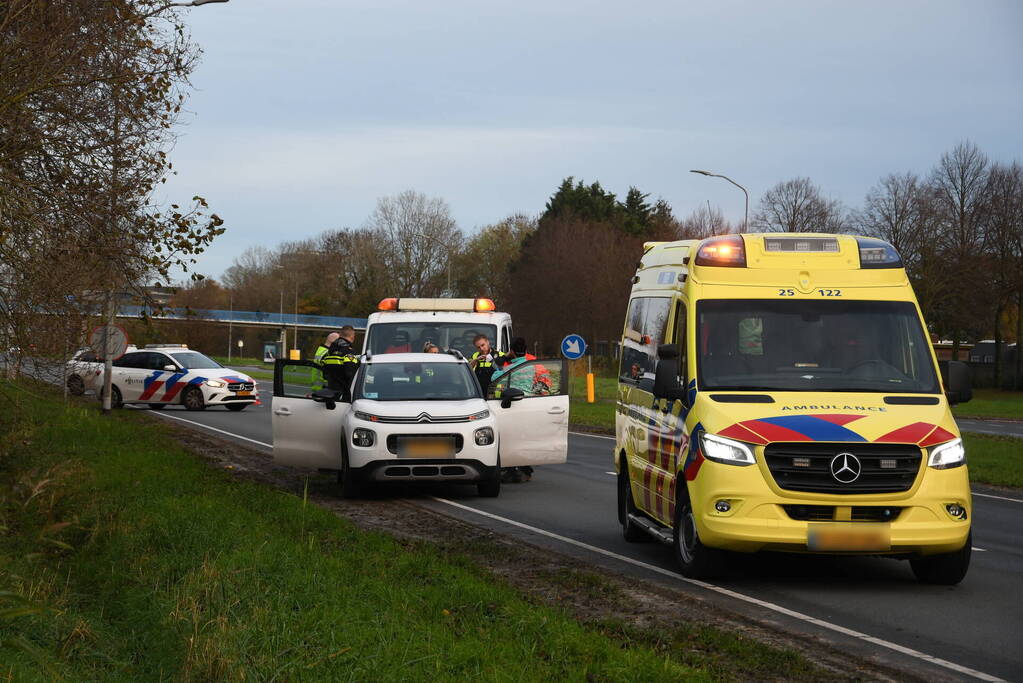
(371, 394)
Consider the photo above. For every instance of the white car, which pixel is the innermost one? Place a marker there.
(161, 375)
(85, 372)
(417, 417)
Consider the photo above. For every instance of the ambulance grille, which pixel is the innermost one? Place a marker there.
(885, 468)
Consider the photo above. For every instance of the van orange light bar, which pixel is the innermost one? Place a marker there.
(483, 305)
(390, 304)
(726, 250)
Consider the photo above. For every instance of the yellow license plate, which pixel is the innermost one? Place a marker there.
(427, 448)
(849, 537)
(243, 393)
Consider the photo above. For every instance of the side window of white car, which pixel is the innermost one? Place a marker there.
(535, 378)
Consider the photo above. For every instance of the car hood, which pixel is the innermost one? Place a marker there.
(226, 374)
(826, 417)
(413, 409)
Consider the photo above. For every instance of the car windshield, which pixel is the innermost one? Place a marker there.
(768, 345)
(416, 382)
(193, 360)
(406, 337)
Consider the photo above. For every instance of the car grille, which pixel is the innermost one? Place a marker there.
(859, 513)
(886, 468)
(392, 440)
(241, 386)
(422, 418)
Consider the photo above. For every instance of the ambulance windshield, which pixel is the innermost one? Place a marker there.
(799, 345)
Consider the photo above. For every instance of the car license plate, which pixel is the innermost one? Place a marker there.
(243, 393)
(440, 447)
(849, 537)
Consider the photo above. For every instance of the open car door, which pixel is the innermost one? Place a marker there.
(532, 425)
(306, 433)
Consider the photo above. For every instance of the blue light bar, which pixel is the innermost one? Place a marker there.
(875, 253)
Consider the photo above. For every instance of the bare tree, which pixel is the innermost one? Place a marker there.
(896, 211)
(1004, 252)
(703, 222)
(797, 205)
(483, 265)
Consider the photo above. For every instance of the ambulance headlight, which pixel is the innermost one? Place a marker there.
(947, 455)
(720, 449)
(216, 383)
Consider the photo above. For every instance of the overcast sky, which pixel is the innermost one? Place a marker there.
(307, 111)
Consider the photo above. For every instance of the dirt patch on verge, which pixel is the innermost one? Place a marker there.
(627, 609)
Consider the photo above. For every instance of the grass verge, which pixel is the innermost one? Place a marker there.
(995, 460)
(133, 560)
(992, 403)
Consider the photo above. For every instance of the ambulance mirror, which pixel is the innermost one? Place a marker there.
(667, 351)
(666, 384)
(956, 377)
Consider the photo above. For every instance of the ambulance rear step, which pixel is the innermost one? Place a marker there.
(663, 535)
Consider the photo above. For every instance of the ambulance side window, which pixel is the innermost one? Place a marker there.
(648, 322)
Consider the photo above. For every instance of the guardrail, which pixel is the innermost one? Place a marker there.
(257, 318)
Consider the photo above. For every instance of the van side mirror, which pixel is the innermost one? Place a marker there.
(955, 375)
(666, 383)
(511, 394)
(328, 397)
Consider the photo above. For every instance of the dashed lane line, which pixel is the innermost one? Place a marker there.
(958, 668)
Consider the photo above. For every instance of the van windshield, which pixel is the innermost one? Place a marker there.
(406, 337)
(770, 345)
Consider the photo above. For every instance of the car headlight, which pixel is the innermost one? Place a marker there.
(947, 455)
(720, 449)
(359, 415)
(484, 436)
(363, 438)
(216, 383)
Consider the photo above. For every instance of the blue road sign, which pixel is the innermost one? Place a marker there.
(573, 346)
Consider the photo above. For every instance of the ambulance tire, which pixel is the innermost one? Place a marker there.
(946, 569)
(696, 560)
(192, 399)
(75, 385)
(626, 506)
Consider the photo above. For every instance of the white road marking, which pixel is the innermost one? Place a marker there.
(732, 594)
(979, 550)
(214, 429)
(613, 474)
(595, 436)
(988, 495)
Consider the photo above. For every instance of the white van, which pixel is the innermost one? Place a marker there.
(406, 325)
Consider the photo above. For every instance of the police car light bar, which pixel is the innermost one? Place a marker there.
(478, 305)
(726, 250)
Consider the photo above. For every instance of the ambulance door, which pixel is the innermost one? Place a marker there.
(532, 428)
(305, 432)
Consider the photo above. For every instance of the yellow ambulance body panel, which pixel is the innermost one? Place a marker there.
(779, 392)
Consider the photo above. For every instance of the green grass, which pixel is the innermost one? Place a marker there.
(995, 459)
(992, 403)
(168, 569)
(600, 414)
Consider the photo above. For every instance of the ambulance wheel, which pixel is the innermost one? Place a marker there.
(696, 560)
(75, 385)
(192, 399)
(236, 406)
(947, 569)
(157, 406)
(115, 397)
(626, 506)
(351, 486)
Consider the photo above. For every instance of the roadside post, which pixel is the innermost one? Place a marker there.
(573, 347)
(109, 342)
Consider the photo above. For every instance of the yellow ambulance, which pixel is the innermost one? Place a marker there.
(778, 392)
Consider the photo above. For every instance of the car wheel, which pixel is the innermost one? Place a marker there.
(157, 406)
(696, 560)
(351, 486)
(75, 385)
(192, 399)
(490, 487)
(946, 569)
(626, 506)
(237, 406)
(115, 397)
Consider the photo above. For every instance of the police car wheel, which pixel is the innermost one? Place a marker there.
(696, 560)
(157, 406)
(947, 569)
(75, 385)
(115, 397)
(626, 506)
(236, 406)
(192, 399)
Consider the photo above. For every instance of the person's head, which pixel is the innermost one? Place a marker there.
(518, 345)
(348, 333)
(430, 347)
(331, 338)
(481, 343)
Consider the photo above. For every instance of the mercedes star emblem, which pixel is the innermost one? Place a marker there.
(846, 468)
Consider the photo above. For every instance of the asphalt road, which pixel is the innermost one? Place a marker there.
(869, 606)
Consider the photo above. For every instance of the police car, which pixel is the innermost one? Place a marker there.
(85, 371)
(160, 375)
(421, 417)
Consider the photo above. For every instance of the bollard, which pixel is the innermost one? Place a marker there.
(589, 387)
(294, 354)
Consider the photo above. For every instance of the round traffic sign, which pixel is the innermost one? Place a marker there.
(573, 346)
(108, 341)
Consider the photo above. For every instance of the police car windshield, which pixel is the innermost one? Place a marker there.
(768, 345)
(416, 382)
(405, 337)
(193, 360)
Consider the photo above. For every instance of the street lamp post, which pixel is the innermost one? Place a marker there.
(745, 222)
